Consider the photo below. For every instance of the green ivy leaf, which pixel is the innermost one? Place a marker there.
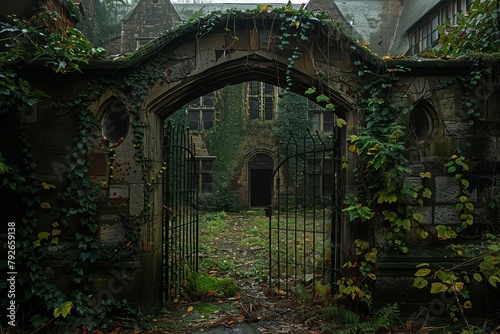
(469, 206)
(390, 215)
(310, 90)
(63, 309)
(322, 98)
(418, 217)
(420, 282)
(387, 197)
(43, 235)
(93, 227)
(493, 280)
(372, 256)
(84, 256)
(330, 107)
(438, 287)
(423, 272)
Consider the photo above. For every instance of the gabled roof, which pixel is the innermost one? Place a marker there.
(372, 21)
(383, 24)
(166, 3)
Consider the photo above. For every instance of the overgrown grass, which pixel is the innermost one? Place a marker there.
(213, 223)
(224, 267)
(202, 286)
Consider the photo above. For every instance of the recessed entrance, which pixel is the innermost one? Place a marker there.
(260, 168)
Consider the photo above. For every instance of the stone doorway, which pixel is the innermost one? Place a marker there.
(260, 171)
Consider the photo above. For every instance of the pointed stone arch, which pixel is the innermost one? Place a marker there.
(259, 166)
(188, 63)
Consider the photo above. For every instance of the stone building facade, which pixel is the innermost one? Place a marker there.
(189, 68)
(145, 22)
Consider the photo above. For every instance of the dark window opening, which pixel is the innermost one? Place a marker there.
(420, 124)
(115, 122)
(260, 187)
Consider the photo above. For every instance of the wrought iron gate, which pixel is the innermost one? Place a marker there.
(304, 221)
(180, 213)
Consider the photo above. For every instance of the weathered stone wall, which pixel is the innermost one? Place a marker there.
(188, 74)
(479, 144)
(119, 191)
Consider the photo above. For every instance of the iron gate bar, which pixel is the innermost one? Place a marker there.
(180, 214)
(309, 233)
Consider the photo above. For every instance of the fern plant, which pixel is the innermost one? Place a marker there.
(344, 321)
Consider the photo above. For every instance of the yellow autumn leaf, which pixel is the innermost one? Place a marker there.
(341, 122)
(423, 272)
(264, 8)
(458, 286)
(437, 287)
(63, 309)
(45, 205)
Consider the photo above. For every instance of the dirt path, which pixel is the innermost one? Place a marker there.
(234, 246)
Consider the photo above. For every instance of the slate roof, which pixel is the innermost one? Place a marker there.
(383, 24)
(411, 13)
(373, 20)
(186, 10)
(167, 3)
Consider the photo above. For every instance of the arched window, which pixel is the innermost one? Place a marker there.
(115, 121)
(421, 123)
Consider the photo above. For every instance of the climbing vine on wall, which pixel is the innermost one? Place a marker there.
(383, 195)
(63, 50)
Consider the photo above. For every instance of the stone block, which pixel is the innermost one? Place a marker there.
(125, 168)
(136, 199)
(60, 137)
(117, 204)
(457, 128)
(111, 231)
(426, 211)
(100, 165)
(475, 149)
(446, 189)
(414, 180)
(119, 191)
(445, 215)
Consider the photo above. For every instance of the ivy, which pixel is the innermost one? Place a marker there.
(456, 280)
(382, 195)
(476, 33)
(62, 48)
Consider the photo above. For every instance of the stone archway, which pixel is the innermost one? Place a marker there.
(188, 63)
